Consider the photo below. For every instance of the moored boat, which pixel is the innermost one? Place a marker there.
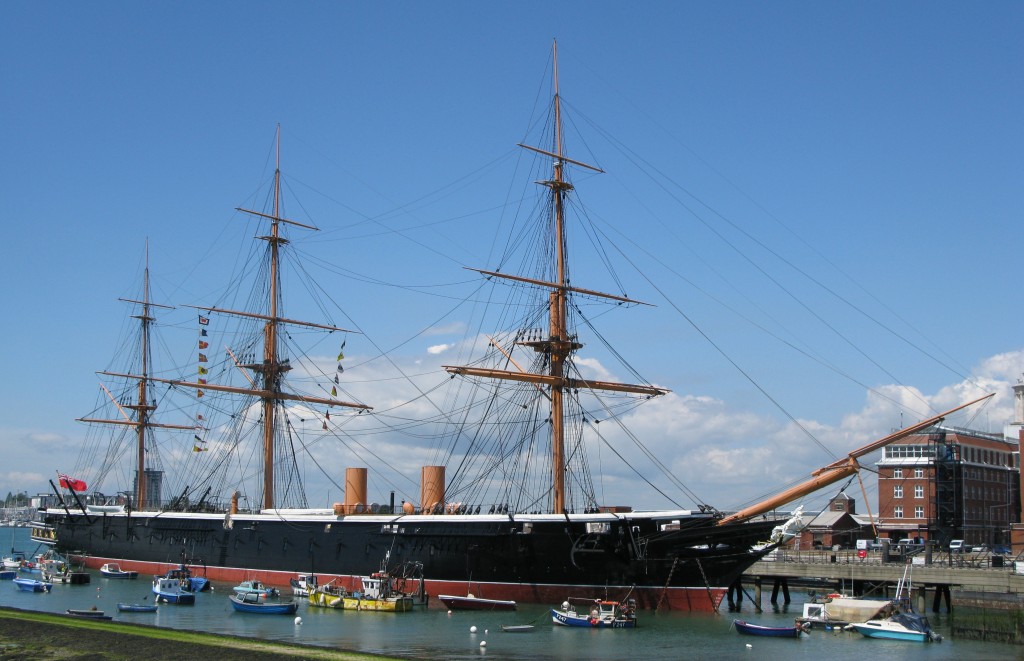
(751, 629)
(302, 584)
(257, 588)
(251, 602)
(595, 614)
(172, 591)
(32, 585)
(89, 613)
(473, 603)
(898, 626)
(123, 607)
(329, 595)
(113, 570)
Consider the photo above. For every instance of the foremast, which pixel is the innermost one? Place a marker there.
(560, 344)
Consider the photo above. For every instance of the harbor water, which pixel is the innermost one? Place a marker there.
(433, 632)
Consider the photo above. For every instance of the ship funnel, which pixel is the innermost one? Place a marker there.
(355, 489)
(432, 489)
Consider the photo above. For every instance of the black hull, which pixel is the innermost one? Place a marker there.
(667, 559)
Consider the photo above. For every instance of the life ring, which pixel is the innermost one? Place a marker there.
(593, 621)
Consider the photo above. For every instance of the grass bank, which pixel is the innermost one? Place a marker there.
(37, 635)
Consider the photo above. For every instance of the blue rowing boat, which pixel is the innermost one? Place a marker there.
(761, 630)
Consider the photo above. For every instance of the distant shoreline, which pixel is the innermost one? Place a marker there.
(28, 634)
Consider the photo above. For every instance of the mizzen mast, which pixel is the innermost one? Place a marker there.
(560, 343)
(142, 407)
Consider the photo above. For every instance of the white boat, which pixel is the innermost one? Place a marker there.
(303, 584)
(899, 626)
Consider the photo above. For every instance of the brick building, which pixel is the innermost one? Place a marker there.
(951, 483)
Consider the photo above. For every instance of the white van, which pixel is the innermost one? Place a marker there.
(957, 546)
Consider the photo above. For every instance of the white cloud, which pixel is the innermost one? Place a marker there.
(438, 349)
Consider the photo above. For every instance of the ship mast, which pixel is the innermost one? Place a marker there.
(142, 407)
(272, 368)
(559, 345)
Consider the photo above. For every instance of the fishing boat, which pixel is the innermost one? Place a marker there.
(189, 581)
(173, 591)
(328, 595)
(474, 603)
(302, 584)
(257, 588)
(251, 602)
(113, 570)
(32, 585)
(595, 614)
(531, 531)
(751, 629)
(123, 607)
(14, 560)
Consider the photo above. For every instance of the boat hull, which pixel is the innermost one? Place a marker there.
(675, 560)
(136, 608)
(32, 585)
(476, 603)
(584, 621)
(772, 632)
(890, 634)
(250, 604)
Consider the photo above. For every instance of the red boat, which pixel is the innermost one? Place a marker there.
(471, 603)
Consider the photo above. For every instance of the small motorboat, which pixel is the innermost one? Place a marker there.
(194, 583)
(760, 630)
(113, 570)
(173, 591)
(32, 585)
(517, 628)
(251, 602)
(595, 614)
(89, 613)
(473, 603)
(8, 574)
(899, 626)
(136, 608)
(257, 588)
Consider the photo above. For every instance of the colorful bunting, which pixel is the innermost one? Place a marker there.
(334, 392)
(202, 358)
(196, 448)
(203, 345)
(202, 332)
(203, 370)
(203, 320)
(341, 351)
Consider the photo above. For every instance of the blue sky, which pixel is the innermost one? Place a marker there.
(845, 175)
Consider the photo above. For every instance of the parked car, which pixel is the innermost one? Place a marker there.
(957, 546)
(1002, 549)
(980, 548)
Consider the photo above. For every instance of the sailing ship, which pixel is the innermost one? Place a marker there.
(531, 539)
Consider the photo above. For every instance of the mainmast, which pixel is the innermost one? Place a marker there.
(272, 368)
(560, 344)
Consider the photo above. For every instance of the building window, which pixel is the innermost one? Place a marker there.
(918, 472)
(919, 512)
(839, 507)
(897, 491)
(897, 472)
(897, 512)
(919, 491)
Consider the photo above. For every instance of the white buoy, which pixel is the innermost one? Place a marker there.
(449, 612)
(749, 646)
(485, 630)
(298, 620)
(483, 643)
(472, 629)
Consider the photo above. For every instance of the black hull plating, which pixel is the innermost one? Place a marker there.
(585, 550)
